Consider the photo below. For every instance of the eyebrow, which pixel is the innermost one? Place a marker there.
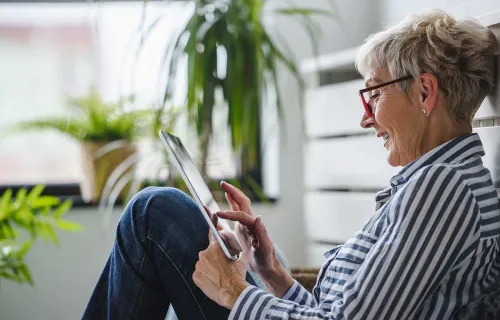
(374, 81)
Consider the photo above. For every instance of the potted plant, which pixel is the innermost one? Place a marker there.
(154, 159)
(106, 131)
(232, 33)
(38, 216)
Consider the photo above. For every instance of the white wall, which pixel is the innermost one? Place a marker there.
(391, 11)
(64, 276)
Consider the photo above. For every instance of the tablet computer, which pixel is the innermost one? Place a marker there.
(196, 185)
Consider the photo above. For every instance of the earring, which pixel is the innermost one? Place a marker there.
(424, 112)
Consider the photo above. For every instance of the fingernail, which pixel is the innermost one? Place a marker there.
(259, 220)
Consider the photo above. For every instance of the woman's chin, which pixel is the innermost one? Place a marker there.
(392, 157)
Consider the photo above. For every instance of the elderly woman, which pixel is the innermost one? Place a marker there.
(430, 250)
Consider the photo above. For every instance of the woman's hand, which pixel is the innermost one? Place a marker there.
(253, 239)
(226, 234)
(221, 279)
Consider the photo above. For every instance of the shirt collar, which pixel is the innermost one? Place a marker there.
(451, 152)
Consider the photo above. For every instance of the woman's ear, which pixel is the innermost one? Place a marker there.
(428, 92)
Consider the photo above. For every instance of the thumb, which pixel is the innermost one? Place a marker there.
(215, 221)
(244, 257)
(211, 236)
(263, 242)
(260, 229)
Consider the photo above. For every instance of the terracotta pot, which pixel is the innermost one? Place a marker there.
(97, 167)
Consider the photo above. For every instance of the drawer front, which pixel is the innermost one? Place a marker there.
(335, 216)
(334, 109)
(357, 162)
(491, 142)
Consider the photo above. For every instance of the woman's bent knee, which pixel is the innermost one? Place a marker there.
(154, 206)
(166, 197)
(163, 194)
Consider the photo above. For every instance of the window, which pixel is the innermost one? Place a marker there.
(45, 54)
(50, 51)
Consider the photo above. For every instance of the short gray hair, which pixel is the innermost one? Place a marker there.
(459, 53)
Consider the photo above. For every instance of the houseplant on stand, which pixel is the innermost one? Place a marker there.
(106, 132)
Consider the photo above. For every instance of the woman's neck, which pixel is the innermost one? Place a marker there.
(444, 132)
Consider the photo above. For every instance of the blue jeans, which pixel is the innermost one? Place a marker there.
(150, 267)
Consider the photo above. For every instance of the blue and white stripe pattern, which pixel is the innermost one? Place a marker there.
(431, 248)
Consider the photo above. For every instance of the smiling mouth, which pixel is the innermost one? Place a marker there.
(384, 136)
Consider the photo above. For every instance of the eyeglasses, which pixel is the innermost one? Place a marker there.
(368, 94)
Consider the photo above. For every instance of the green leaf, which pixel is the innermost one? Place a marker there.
(304, 11)
(45, 231)
(26, 273)
(24, 249)
(51, 234)
(45, 202)
(20, 197)
(256, 188)
(7, 231)
(10, 276)
(62, 209)
(23, 217)
(42, 233)
(6, 247)
(74, 128)
(35, 193)
(68, 225)
(5, 204)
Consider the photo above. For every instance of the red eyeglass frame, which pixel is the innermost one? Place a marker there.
(368, 108)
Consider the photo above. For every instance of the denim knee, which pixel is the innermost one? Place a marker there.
(140, 210)
(164, 194)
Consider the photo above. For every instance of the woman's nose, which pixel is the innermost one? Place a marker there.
(366, 121)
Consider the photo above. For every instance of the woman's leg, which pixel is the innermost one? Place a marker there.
(150, 267)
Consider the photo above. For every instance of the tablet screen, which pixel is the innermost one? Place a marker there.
(199, 187)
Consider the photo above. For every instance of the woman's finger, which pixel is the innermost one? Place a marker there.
(238, 216)
(237, 195)
(260, 231)
(234, 206)
(215, 220)
(208, 211)
(211, 237)
(213, 217)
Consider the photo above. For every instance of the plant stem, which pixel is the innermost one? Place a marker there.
(204, 145)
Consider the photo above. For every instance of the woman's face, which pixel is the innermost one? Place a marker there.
(398, 123)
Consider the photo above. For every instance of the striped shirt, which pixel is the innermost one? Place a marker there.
(431, 248)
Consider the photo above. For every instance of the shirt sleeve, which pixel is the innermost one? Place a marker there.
(298, 294)
(431, 222)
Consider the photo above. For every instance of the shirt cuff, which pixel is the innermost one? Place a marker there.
(292, 292)
(253, 303)
(298, 294)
